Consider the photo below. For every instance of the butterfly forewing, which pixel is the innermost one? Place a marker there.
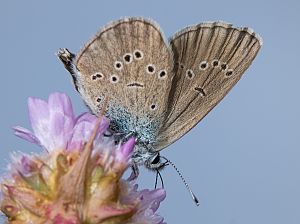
(130, 63)
(209, 59)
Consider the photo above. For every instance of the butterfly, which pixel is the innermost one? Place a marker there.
(158, 90)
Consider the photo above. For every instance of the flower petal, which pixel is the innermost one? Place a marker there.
(152, 198)
(62, 118)
(27, 165)
(127, 148)
(111, 211)
(25, 134)
(83, 129)
(38, 114)
(61, 103)
(124, 152)
(52, 122)
(48, 188)
(149, 203)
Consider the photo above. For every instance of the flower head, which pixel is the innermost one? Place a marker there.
(55, 125)
(78, 178)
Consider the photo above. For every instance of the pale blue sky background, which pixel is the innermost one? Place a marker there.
(242, 160)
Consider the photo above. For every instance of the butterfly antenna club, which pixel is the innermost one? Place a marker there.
(195, 199)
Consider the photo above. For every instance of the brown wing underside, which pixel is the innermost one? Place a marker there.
(209, 59)
(115, 64)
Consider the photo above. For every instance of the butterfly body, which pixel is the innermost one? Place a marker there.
(142, 128)
(159, 90)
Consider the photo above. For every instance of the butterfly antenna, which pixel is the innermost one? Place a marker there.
(195, 199)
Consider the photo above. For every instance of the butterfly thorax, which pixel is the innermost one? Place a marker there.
(142, 154)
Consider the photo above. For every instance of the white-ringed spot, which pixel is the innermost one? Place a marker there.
(150, 69)
(203, 65)
(138, 55)
(190, 74)
(114, 79)
(118, 65)
(162, 74)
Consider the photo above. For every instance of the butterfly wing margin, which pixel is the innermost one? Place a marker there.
(209, 60)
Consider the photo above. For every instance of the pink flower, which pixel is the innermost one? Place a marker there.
(55, 125)
(79, 177)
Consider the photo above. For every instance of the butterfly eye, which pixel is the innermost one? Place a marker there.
(190, 74)
(162, 74)
(127, 58)
(138, 54)
(229, 72)
(150, 69)
(215, 63)
(98, 100)
(156, 159)
(203, 65)
(118, 65)
(153, 107)
(114, 79)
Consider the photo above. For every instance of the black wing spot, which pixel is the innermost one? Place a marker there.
(97, 75)
(127, 58)
(203, 65)
(190, 74)
(99, 99)
(135, 84)
(118, 65)
(138, 54)
(179, 65)
(215, 63)
(229, 72)
(150, 69)
(162, 74)
(201, 91)
(153, 107)
(114, 79)
(224, 66)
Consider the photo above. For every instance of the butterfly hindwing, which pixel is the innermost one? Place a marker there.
(209, 59)
(130, 63)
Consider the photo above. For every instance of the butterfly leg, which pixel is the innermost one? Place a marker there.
(156, 179)
(135, 170)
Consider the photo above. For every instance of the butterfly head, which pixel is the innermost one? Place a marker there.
(144, 156)
(154, 162)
